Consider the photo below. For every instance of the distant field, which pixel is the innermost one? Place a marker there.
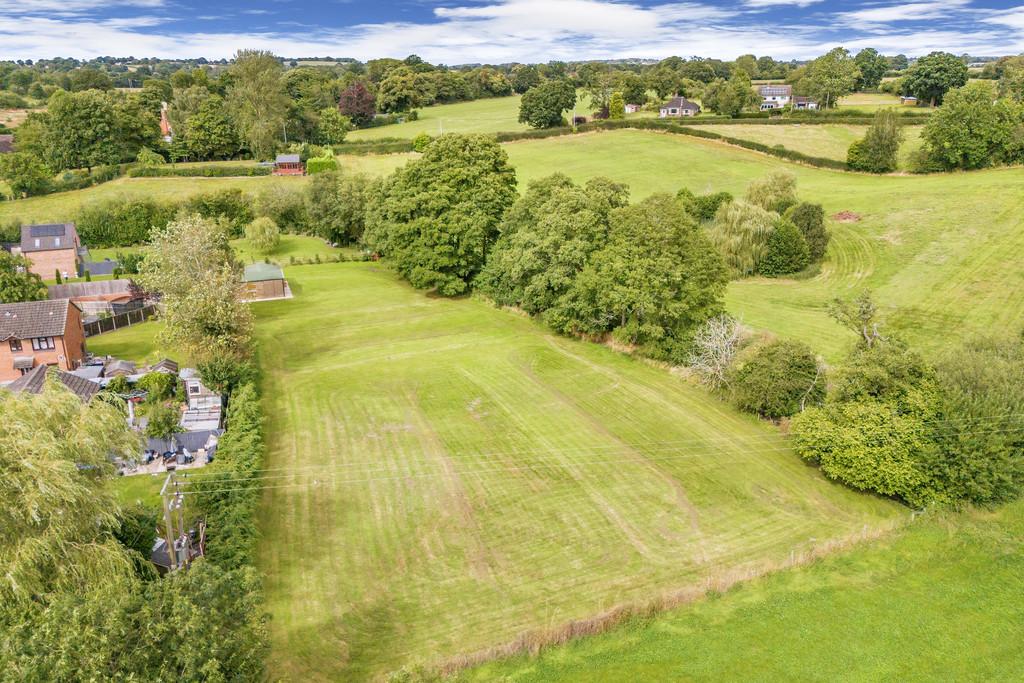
(490, 115)
(821, 140)
(447, 475)
(869, 100)
(12, 118)
(298, 246)
(883, 612)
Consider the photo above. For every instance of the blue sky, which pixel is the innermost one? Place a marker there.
(462, 31)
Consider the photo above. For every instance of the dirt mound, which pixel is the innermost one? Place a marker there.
(846, 217)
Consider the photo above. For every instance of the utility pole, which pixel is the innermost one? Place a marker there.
(165, 496)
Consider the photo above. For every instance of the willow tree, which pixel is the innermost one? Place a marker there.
(56, 507)
(741, 232)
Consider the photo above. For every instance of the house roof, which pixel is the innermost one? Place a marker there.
(76, 290)
(775, 90)
(48, 237)
(681, 103)
(34, 381)
(164, 365)
(258, 272)
(288, 159)
(29, 319)
(6, 143)
(104, 267)
(123, 366)
(190, 441)
(801, 100)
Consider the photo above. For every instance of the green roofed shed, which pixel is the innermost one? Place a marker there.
(264, 281)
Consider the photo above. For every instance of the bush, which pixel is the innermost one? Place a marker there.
(231, 204)
(878, 151)
(777, 379)
(321, 165)
(787, 251)
(121, 222)
(285, 206)
(810, 219)
(776, 192)
(129, 262)
(420, 142)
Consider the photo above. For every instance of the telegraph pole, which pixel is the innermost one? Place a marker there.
(166, 496)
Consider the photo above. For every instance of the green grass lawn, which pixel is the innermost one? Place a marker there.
(140, 488)
(446, 475)
(939, 600)
(140, 343)
(831, 141)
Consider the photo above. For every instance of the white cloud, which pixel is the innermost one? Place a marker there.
(776, 3)
(1013, 18)
(69, 7)
(913, 11)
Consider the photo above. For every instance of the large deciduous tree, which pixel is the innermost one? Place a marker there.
(656, 280)
(972, 129)
(547, 238)
(209, 133)
(933, 75)
(357, 103)
(80, 130)
(731, 97)
(437, 217)
(336, 204)
(257, 99)
(543, 106)
(17, 282)
(191, 265)
(25, 174)
(872, 67)
(829, 77)
(878, 151)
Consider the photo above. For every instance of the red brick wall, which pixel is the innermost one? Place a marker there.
(46, 263)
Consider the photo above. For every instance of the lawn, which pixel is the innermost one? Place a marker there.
(820, 140)
(937, 601)
(141, 488)
(140, 343)
(291, 246)
(444, 475)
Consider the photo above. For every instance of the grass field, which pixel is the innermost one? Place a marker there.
(869, 101)
(937, 601)
(490, 115)
(448, 475)
(831, 141)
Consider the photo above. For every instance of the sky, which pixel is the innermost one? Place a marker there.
(501, 31)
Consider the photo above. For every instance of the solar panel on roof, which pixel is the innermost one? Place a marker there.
(52, 230)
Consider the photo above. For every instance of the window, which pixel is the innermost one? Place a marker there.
(37, 242)
(56, 241)
(43, 344)
(193, 388)
(15, 345)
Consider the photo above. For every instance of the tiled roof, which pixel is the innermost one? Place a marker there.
(34, 381)
(29, 319)
(775, 90)
(288, 159)
(681, 103)
(48, 237)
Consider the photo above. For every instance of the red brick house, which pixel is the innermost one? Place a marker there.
(34, 333)
(51, 248)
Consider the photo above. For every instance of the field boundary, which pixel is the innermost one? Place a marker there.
(533, 642)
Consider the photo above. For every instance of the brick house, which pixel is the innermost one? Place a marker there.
(36, 333)
(51, 248)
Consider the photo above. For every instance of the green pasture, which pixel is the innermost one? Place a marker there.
(489, 115)
(831, 141)
(443, 476)
(936, 601)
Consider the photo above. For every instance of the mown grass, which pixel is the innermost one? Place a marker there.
(490, 115)
(936, 601)
(140, 488)
(444, 476)
(831, 141)
(141, 343)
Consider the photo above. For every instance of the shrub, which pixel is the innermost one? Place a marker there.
(321, 164)
(121, 222)
(420, 142)
(285, 206)
(777, 379)
(231, 204)
(129, 261)
(787, 251)
(810, 219)
(147, 157)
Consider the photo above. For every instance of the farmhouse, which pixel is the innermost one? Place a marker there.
(105, 297)
(775, 96)
(289, 164)
(678, 107)
(33, 382)
(264, 281)
(51, 249)
(36, 333)
(6, 144)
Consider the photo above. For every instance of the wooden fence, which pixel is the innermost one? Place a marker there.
(116, 322)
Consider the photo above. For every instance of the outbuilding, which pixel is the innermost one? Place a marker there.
(289, 164)
(264, 281)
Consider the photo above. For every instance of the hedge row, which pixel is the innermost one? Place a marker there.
(224, 171)
(381, 146)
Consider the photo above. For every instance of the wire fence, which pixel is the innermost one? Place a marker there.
(116, 322)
